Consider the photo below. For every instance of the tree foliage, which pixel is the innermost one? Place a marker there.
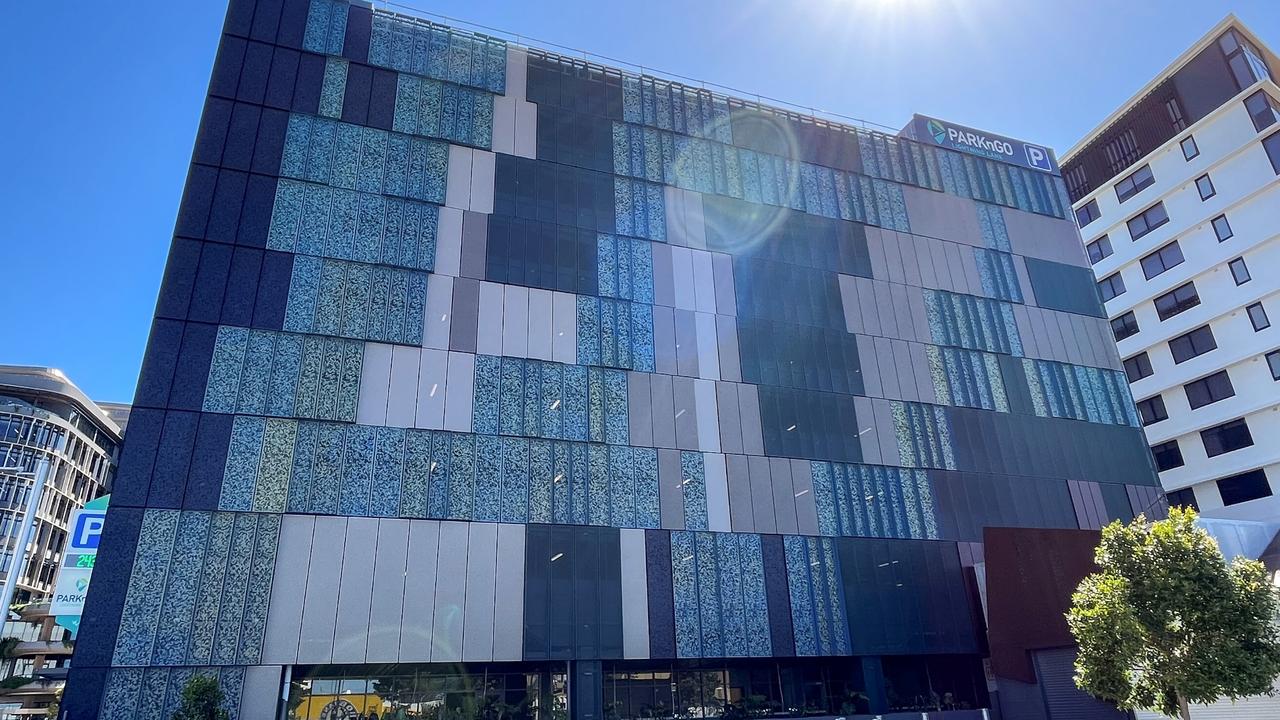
(1168, 622)
(202, 699)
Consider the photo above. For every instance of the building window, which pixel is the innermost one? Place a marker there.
(1185, 498)
(1209, 390)
(1190, 150)
(1087, 213)
(1205, 186)
(1099, 249)
(1176, 118)
(1245, 61)
(1161, 260)
(1139, 366)
(1178, 300)
(1121, 151)
(1272, 146)
(1261, 110)
(1222, 228)
(1135, 183)
(1193, 344)
(1111, 286)
(1077, 180)
(1124, 326)
(1258, 316)
(1244, 487)
(1225, 438)
(1152, 410)
(1167, 456)
(1239, 271)
(1273, 362)
(1147, 220)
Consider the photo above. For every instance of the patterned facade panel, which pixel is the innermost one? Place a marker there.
(972, 322)
(412, 45)
(817, 596)
(721, 608)
(442, 110)
(1081, 393)
(615, 333)
(143, 694)
(873, 501)
(967, 378)
(533, 398)
(355, 300)
(924, 436)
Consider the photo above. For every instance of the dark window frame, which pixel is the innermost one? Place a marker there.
(1243, 487)
(1258, 317)
(1090, 211)
(1181, 301)
(1217, 231)
(1099, 249)
(1139, 365)
(1111, 287)
(1195, 148)
(1143, 220)
(1152, 410)
(1239, 267)
(1201, 182)
(1197, 342)
(1271, 144)
(1186, 497)
(1209, 389)
(1262, 110)
(1226, 438)
(1134, 183)
(1128, 326)
(1162, 259)
(1273, 363)
(1169, 452)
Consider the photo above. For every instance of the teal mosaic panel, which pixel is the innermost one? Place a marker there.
(326, 27)
(694, 490)
(672, 106)
(264, 372)
(639, 209)
(967, 378)
(924, 436)
(154, 692)
(354, 300)
(1091, 394)
(334, 88)
(994, 231)
(441, 110)
(198, 591)
(421, 47)
(972, 322)
(355, 157)
(873, 501)
(625, 268)
(718, 586)
(817, 596)
(313, 219)
(615, 333)
(534, 398)
(999, 278)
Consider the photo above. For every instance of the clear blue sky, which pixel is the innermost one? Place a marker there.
(99, 103)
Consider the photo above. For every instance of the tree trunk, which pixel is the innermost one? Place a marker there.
(1183, 708)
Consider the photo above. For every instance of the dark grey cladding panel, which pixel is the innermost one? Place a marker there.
(808, 424)
(966, 502)
(572, 593)
(746, 229)
(1064, 287)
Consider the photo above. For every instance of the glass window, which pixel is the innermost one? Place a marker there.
(1111, 286)
(1185, 497)
(1273, 362)
(1138, 367)
(1135, 183)
(1222, 228)
(1152, 410)
(1261, 110)
(1161, 260)
(1239, 271)
(1088, 213)
(1147, 220)
(1178, 300)
(1099, 249)
(1225, 438)
(1176, 118)
(1208, 390)
(1167, 455)
(1190, 150)
(1205, 186)
(1244, 487)
(1195, 343)
(1258, 316)
(1272, 146)
(1124, 326)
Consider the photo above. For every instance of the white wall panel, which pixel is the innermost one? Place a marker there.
(375, 384)
(439, 312)
(402, 403)
(459, 392)
(457, 189)
(481, 579)
(635, 595)
(540, 323)
(508, 614)
(386, 607)
(418, 616)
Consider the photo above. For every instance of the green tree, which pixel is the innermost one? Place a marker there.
(202, 699)
(1168, 622)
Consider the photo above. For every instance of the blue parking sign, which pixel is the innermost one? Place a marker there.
(87, 529)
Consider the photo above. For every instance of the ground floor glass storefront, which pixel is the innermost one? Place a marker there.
(733, 689)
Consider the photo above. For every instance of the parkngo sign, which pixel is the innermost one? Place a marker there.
(77, 563)
(983, 144)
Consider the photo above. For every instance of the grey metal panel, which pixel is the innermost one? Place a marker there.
(670, 489)
(740, 505)
(419, 591)
(449, 239)
(726, 296)
(704, 282)
(387, 605)
(260, 694)
(664, 289)
(515, 321)
(884, 309)
(784, 496)
(635, 594)
(886, 432)
(1040, 331)
(970, 264)
(806, 506)
(288, 589)
(730, 417)
(888, 369)
(435, 328)
(875, 249)
(1054, 329)
(867, 431)
(475, 232)
(639, 409)
(484, 165)
(893, 257)
(1071, 345)
(450, 593)
(902, 312)
(869, 365)
(708, 346)
(923, 377)
(564, 325)
(433, 372)
(663, 408)
(919, 316)
(727, 339)
(942, 264)
(465, 316)
(686, 413)
(686, 343)
(482, 574)
(752, 433)
(517, 72)
(508, 612)
(459, 391)
(1044, 237)
(504, 125)
(695, 216)
(540, 315)
(910, 264)
(1024, 280)
(664, 340)
(673, 200)
(868, 306)
(526, 129)
(1030, 347)
(849, 303)
(489, 328)
(355, 587)
(402, 400)
(717, 485)
(320, 603)
(708, 415)
(375, 384)
(904, 371)
(1082, 335)
(923, 259)
(761, 494)
(959, 271)
(457, 188)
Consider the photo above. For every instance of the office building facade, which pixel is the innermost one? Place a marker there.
(486, 382)
(1175, 194)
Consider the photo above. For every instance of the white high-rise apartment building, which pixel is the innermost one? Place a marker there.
(1177, 195)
